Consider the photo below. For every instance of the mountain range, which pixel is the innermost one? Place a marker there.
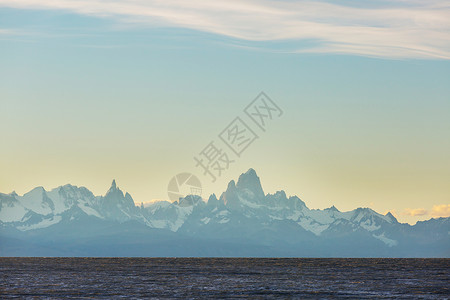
(243, 221)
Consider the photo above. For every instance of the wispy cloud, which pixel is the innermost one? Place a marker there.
(392, 29)
(4, 31)
(441, 211)
(413, 212)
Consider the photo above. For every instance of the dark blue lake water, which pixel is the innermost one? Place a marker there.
(224, 278)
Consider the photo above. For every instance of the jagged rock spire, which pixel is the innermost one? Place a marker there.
(250, 181)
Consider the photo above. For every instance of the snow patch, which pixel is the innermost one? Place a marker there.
(205, 220)
(223, 213)
(13, 213)
(89, 210)
(369, 225)
(33, 200)
(224, 220)
(182, 213)
(313, 226)
(386, 240)
(295, 216)
(58, 201)
(157, 205)
(248, 203)
(43, 224)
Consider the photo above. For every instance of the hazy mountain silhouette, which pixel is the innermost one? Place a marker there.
(243, 221)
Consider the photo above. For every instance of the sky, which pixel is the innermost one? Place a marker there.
(92, 91)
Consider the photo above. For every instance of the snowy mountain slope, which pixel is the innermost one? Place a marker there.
(242, 214)
(40, 208)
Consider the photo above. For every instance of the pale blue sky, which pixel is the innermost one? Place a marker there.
(86, 98)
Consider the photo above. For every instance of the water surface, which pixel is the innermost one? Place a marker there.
(224, 278)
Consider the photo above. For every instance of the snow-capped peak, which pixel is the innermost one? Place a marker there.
(242, 207)
(391, 217)
(249, 182)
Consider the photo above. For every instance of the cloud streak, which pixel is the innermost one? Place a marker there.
(394, 29)
(442, 210)
(415, 212)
